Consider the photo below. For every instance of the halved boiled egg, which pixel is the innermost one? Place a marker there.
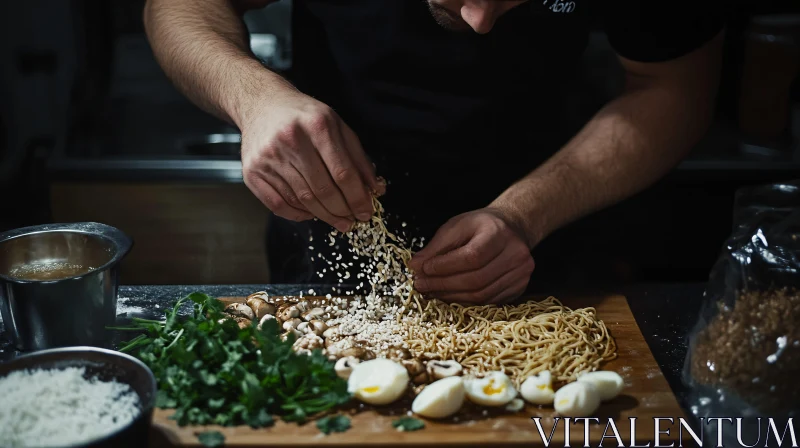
(494, 389)
(440, 399)
(378, 381)
(578, 399)
(538, 389)
(608, 384)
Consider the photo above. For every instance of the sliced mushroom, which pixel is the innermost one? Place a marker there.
(302, 306)
(303, 326)
(286, 312)
(312, 314)
(332, 351)
(292, 324)
(398, 354)
(293, 331)
(331, 342)
(266, 318)
(422, 378)
(243, 322)
(308, 342)
(317, 327)
(240, 310)
(260, 294)
(260, 306)
(416, 370)
(443, 369)
(344, 366)
(355, 352)
(358, 352)
(330, 333)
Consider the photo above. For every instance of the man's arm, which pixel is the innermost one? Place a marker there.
(633, 141)
(298, 157)
(203, 47)
(484, 255)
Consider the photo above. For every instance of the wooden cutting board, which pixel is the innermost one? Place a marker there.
(646, 395)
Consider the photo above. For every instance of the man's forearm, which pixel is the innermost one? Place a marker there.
(627, 146)
(203, 47)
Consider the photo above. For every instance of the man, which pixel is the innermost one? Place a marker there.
(457, 102)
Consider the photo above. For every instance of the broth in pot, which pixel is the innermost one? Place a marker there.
(57, 270)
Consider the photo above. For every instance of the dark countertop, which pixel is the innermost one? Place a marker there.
(665, 314)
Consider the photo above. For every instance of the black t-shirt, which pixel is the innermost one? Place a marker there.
(482, 109)
(452, 119)
(410, 87)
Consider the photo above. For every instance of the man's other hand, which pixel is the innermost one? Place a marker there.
(476, 257)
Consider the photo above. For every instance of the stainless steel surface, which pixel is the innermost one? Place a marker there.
(159, 170)
(106, 365)
(226, 146)
(58, 313)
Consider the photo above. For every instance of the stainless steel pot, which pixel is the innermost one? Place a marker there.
(62, 312)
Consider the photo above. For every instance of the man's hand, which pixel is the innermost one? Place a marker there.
(298, 157)
(476, 257)
(302, 161)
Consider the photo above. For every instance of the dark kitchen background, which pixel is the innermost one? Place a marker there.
(91, 130)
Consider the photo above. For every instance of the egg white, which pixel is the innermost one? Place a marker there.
(538, 389)
(515, 405)
(577, 400)
(441, 398)
(608, 384)
(494, 389)
(378, 381)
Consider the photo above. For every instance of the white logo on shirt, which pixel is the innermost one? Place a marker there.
(561, 6)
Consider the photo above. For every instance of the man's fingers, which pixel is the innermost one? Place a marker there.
(306, 197)
(464, 281)
(496, 291)
(511, 293)
(449, 236)
(332, 149)
(315, 173)
(469, 257)
(274, 200)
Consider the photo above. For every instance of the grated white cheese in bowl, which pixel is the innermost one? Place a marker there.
(61, 407)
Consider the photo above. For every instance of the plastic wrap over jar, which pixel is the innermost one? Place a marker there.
(744, 352)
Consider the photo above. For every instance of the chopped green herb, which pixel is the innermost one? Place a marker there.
(211, 438)
(408, 424)
(214, 373)
(335, 423)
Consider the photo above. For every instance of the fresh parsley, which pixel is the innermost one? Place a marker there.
(334, 423)
(408, 424)
(214, 373)
(211, 439)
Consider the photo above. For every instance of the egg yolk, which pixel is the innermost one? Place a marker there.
(542, 386)
(563, 402)
(370, 390)
(490, 390)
